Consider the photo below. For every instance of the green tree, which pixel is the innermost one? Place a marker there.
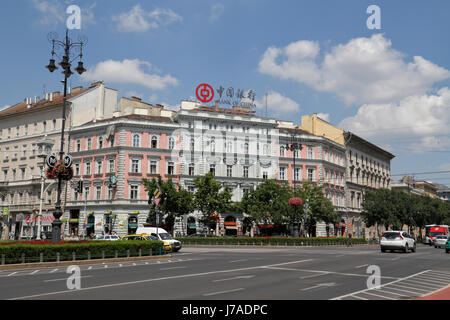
(175, 201)
(211, 198)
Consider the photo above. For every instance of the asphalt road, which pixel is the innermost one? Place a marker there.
(210, 273)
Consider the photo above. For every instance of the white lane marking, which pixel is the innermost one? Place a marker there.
(321, 285)
(376, 295)
(235, 278)
(327, 272)
(120, 265)
(238, 260)
(362, 266)
(411, 287)
(158, 279)
(172, 268)
(428, 277)
(422, 285)
(314, 275)
(34, 272)
(222, 292)
(11, 274)
(426, 280)
(383, 285)
(54, 270)
(90, 268)
(390, 292)
(361, 298)
(64, 279)
(393, 287)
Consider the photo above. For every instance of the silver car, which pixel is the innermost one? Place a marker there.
(440, 241)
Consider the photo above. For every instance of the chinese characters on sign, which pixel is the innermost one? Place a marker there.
(230, 96)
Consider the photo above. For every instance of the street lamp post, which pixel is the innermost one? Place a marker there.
(66, 45)
(294, 146)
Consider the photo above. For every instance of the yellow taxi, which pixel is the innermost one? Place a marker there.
(135, 237)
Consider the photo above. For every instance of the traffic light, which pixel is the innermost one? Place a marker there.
(79, 186)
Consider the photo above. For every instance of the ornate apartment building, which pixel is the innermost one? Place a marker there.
(29, 131)
(238, 147)
(367, 166)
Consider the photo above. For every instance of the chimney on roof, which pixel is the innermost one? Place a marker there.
(96, 84)
(46, 96)
(37, 99)
(160, 106)
(217, 105)
(56, 94)
(76, 89)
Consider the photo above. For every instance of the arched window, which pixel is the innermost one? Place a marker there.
(136, 140)
(246, 148)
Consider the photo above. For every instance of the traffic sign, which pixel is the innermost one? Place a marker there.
(51, 161)
(157, 193)
(68, 161)
(113, 179)
(156, 201)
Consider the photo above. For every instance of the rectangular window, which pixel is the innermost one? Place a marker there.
(212, 169)
(22, 170)
(89, 144)
(245, 171)
(100, 143)
(310, 153)
(229, 171)
(265, 175)
(171, 168)
(99, 168)
(153, 167)
(135, 164)
(282, 173)
(311, 174)
(134, 190)
(77, 169)
(110, 193)
(297, 174)
(86, 193)
(88, 169)
(98, 193)
(191, 169)
(24, 151)
(111, 166)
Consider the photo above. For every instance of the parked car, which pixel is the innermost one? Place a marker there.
(161, 234)
(135, 237)
(440, 241)
(397, 240)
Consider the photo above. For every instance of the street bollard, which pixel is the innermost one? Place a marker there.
(41, 257)
(140, 252)
(128, 253)
(23, 257)
(74, 257)
(103, 254)
(116, 254)
(151, 252)
(89, 255)
(3, 259)
(58, 256)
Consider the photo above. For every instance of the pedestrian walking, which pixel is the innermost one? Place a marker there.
(349, 243)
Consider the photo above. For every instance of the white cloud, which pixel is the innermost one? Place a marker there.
(216, 11)
(130, 72)
(277, 104)
(139, 20)
(363, 71)
(324, 116)
(418, 115)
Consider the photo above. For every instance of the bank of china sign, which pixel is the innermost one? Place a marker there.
(239, 97)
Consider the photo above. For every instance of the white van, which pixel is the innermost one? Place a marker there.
(161, 234)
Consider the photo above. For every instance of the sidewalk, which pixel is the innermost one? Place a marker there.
(443, 294)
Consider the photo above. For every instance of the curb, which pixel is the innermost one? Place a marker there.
(271, 246)
(441, 294)
(79, 262)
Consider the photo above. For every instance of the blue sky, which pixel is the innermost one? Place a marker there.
(390, 86)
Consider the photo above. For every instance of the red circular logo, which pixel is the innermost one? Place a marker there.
(205, 93)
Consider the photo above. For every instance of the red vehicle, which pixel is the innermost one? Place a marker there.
(433, 230)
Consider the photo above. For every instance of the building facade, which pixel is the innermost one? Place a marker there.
(367, 167)
(30, 131)
(238, 147)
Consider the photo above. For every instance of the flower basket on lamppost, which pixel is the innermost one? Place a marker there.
(59, 171)
(295, 202)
